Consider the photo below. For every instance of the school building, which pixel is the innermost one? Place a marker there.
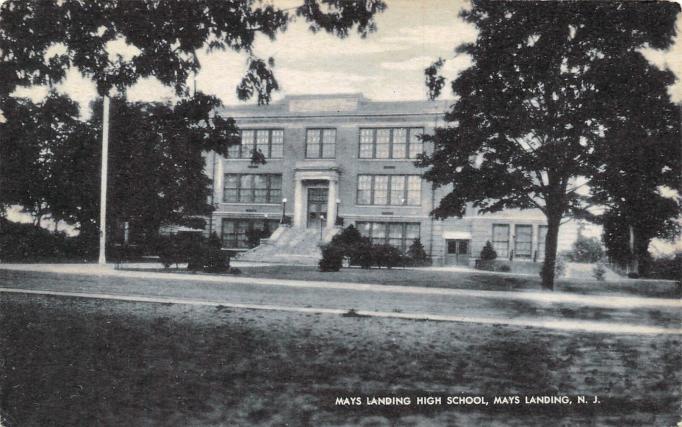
(344, 159)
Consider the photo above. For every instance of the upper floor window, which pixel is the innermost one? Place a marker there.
(268, 141)
(252, 188)
(320, 143)
(396, 190)
(390, 143)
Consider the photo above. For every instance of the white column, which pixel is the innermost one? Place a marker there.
(331, 203)
(299, 220)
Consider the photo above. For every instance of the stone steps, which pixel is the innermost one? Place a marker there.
(289, 245)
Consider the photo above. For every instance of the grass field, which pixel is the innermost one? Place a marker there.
(458, 280)
(68, 361)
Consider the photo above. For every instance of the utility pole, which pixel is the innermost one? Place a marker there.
(103, 182)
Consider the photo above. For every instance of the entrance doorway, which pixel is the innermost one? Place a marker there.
(457, 252)
(317, 207)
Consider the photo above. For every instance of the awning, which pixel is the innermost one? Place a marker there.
(459, 235)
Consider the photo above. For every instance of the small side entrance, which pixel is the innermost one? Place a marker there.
(457, 252)
(317, 207)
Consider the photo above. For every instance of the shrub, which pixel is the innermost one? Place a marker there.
(488, 252)
(387, 256)
(503, 268)
(26, 242)
(586, 250)
(351, 244)
(348, 237)
(362, 253)
(416, 253)
(206, 255)
(666, 268)
(332, 258)
(169, 251)
(599, 271)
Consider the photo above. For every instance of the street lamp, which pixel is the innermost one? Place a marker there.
(284, 206)
(321, 225)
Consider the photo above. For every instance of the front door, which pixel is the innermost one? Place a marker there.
(317, 207)
(457, 252)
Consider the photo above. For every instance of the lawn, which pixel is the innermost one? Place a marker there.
(70, 361)
(459, 280)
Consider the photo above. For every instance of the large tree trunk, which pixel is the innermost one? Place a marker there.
(641, 257)
(551, 243)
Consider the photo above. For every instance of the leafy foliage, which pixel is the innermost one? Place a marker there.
(488, 252)
(585, 250)
(387, 256)
(524, 132)
(434, 81)
(332, 257)
(417, 254)
(157, 163)
(599, 271)
(164, 34)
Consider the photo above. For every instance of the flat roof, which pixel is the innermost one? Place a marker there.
(336, 105)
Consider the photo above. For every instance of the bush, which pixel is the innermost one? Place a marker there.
(350, 243)
(503, 268)
(416, 253)
(586, 250)
(488, 252)
(169, 251)
(332, 258)
(362, 254)
(599, 271)
(387, 256)
(206, 255)
(26, 242)
(666, 268)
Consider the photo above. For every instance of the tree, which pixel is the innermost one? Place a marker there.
(488, 252)
(33, 141)
(41, 40)
(157, 164)
(416, 253)
(586, 250)
(643, 154)
(529, 115)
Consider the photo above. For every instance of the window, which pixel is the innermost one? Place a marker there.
(394, 190)
(250, 188)
(501, 240)
(542, 235)
(398, 234)
(320, 143)
(390, 143)
(268, 141)
(244, 233)
(523, 241)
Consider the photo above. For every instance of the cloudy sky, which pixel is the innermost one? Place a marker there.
(387, 65)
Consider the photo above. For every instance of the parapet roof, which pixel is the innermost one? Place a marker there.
(344, 104)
